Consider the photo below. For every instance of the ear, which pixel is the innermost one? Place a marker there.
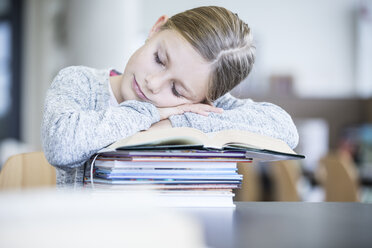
(160, 22)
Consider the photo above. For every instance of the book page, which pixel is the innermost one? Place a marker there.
(191, 136)
(247, 139)
(167, 136)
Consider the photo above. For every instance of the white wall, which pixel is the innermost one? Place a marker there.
(62, 33)
(364, 50)
(100, 33)
(39, 60)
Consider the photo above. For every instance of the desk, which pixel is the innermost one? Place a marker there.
(64, 219)
(285, 224)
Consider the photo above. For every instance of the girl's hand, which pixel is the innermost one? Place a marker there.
(161, 124)
(197, 108)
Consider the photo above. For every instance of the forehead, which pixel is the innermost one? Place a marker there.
(185, 63)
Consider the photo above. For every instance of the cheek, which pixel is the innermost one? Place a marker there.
(139, 61)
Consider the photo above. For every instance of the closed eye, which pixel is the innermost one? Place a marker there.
(157, 59)
(174, 90)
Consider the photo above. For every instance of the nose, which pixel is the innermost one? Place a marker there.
(155, 83)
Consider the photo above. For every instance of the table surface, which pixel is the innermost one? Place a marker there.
(250, 224)
(287, 224)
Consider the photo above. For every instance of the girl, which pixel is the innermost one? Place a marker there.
(181, 76)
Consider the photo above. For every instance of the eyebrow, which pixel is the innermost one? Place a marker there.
(183, 85)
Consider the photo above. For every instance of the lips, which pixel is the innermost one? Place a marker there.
(138, 90)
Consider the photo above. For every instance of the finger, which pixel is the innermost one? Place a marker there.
(216, 110)
(187, 107)
(166, 112)
(210, 108)
(182, 109)
(198, 110)
(201, 112)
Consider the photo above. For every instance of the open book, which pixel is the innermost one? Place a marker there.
(255, 145)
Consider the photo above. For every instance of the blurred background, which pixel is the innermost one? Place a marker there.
(314, 59)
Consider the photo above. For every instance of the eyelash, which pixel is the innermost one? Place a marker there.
(174, 90)
(157, 59)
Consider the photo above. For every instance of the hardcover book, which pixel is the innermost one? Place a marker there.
(254, 145)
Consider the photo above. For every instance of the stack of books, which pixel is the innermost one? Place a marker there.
(186, 178)
(184, 166)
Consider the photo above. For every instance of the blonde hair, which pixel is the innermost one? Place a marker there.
(221, 38)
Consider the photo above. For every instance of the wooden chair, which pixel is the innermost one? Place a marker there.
(285, 176)
(251, 186)
(337, 173)
(27, 170)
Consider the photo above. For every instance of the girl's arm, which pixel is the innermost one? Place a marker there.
(72, 130)
(243, 114)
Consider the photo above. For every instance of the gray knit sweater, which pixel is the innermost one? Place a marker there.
(78, 120)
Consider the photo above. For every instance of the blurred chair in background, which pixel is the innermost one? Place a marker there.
(337, 173)
(27, 170)
(251, 186)
(285, 176)
(10, 147)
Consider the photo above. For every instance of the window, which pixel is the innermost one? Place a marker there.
(10, 68)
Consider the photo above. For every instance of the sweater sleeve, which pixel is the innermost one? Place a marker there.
(243, 114)
(72, 131)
